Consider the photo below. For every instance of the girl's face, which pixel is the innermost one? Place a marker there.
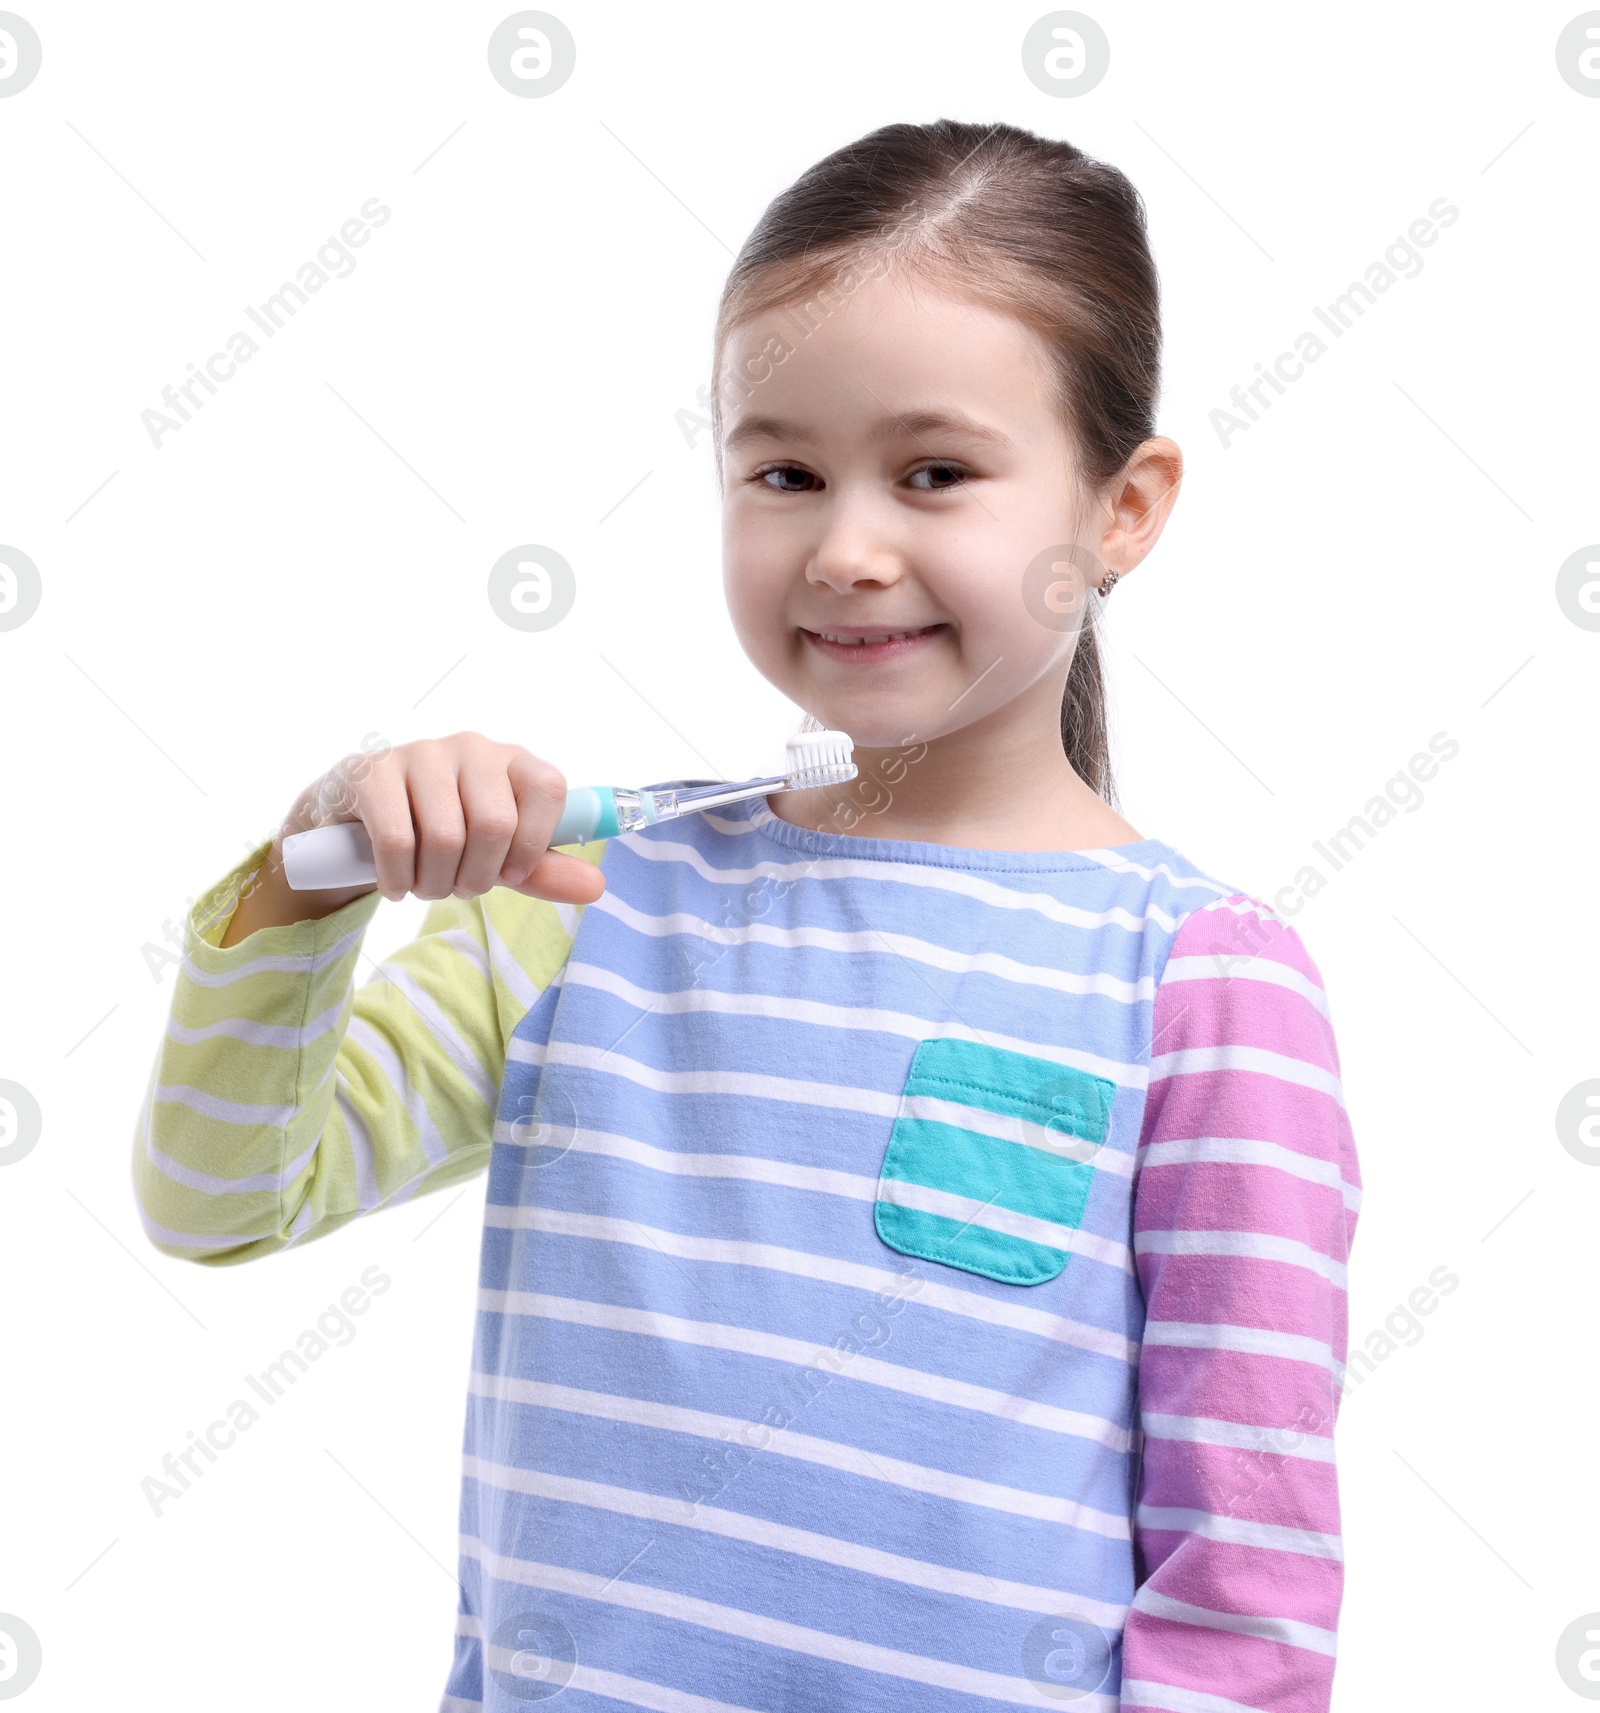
(900, 476)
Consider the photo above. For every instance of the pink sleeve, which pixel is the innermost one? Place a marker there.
(1244, 1204)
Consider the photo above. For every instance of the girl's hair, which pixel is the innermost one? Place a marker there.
(1019, 222)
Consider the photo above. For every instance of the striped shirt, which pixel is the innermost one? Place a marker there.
(912, 1277)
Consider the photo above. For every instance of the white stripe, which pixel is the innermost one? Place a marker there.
(1120, 864)
(1166, 1699)
(637, 1693)
(361, 1150)
(1242, 1340)
(634, 1691)
(804, 1448)
(792, 1008)
(775, 1347)
(1008, 1127)
(1288, 1631)
(966, 1210)
(465, 941)
(1244, 1245)
(1242, 904)
(405, 1096)
(285, 963)
(1238, 1436)
(513, 976)
(930, 876)
(210, 1184)
(1236, 1531)
(408, 1191)
(1245, 966)
(1236, 1058)
(294, 1035)
(820, 1179)
(569, 915)
(852, 941)
(421, 1183)
(1243, 1151)
(750, 1084)
(803, 1543)
(301, 1223)
(926, 1294)
(437, 1022)
(221, 1241)
(223, 1111)
(523, 1051)
(751, 1626)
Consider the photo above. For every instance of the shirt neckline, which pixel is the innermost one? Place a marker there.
(866, 848)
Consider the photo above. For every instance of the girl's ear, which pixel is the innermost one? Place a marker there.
(1139, 502)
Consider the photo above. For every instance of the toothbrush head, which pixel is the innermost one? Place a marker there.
(818, 758)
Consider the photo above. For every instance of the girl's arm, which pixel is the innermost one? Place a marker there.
(286, 1101)
(1245, 1203)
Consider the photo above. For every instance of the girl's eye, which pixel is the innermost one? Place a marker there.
(791, 479)
(938, 477)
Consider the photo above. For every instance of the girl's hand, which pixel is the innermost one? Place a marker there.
(451, 817)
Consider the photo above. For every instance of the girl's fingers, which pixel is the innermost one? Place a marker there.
(541, 794)
(454, 816)
(386, 813)
(563, 878)
(378, 800)
(434, 791)
(489, 806)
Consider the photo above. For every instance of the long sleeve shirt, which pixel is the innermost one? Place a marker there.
(912, 1277)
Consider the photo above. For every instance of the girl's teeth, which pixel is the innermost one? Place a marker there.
(857, 641)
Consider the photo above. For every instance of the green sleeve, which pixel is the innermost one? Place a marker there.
(286, 1101)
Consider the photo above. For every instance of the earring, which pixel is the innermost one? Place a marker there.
(1107, 583)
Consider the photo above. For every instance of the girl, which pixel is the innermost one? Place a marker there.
(913, 1269)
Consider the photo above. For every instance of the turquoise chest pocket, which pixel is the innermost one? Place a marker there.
(991, 1160)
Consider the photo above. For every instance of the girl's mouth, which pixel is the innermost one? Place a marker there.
(862, 647)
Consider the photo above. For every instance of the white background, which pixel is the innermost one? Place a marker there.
(305, 563)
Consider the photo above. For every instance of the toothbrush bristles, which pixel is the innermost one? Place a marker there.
(808, 778)
(819, 757)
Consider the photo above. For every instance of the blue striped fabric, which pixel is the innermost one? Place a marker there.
(804, 1367)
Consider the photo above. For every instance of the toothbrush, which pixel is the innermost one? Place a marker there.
(341, 854)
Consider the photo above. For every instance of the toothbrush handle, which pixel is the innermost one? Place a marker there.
(341, 854)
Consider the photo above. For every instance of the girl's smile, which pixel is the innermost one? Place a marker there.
(859, 646)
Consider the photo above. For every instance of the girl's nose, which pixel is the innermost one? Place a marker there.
(851, 554)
